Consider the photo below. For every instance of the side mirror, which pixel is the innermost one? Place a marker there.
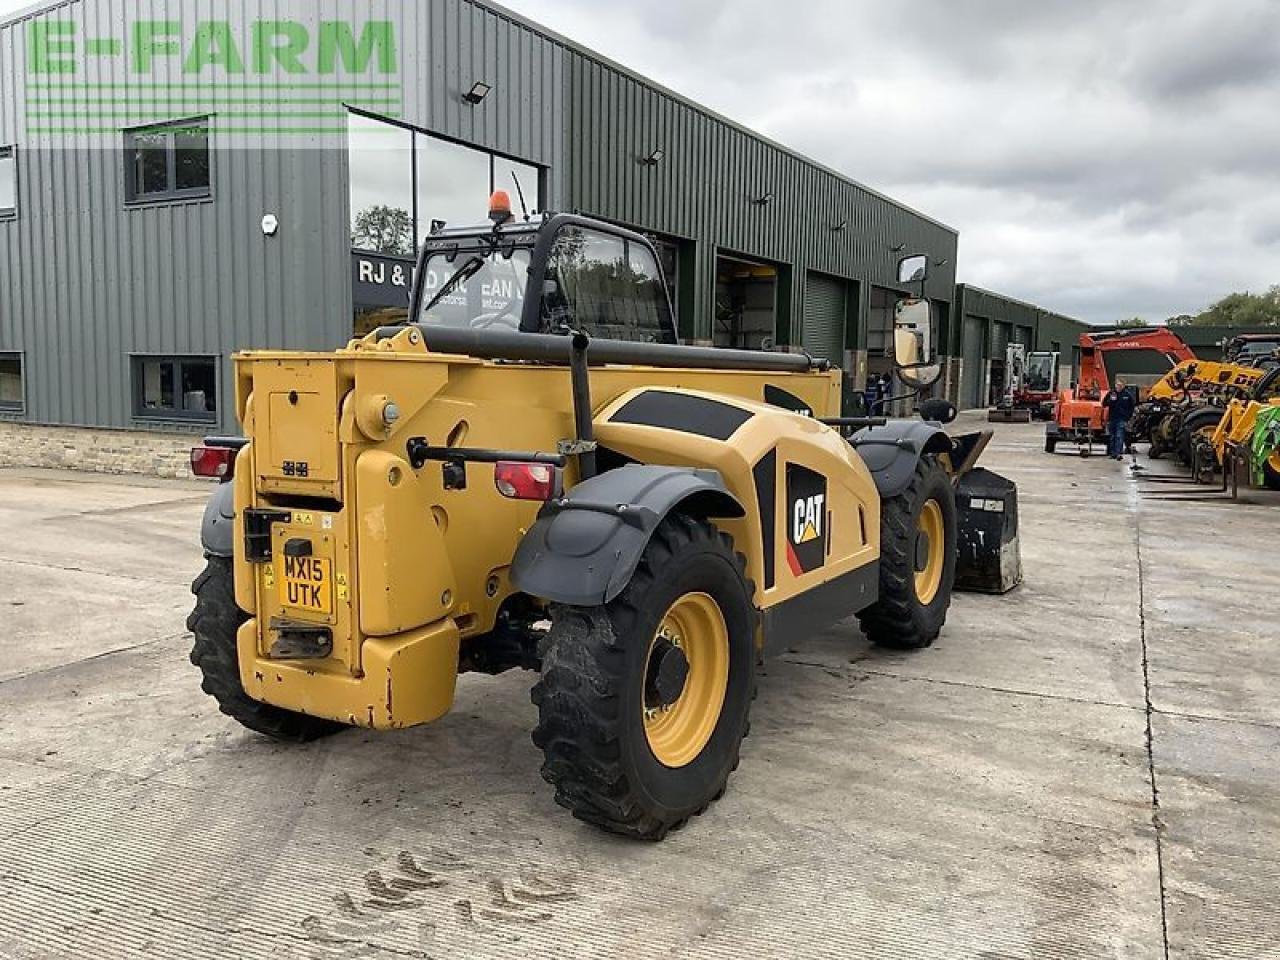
(913, 356)
(938, 410)
(913, 269)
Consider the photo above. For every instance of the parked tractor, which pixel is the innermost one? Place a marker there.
(532, 473)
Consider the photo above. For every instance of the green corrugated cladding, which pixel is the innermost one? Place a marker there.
(992, 308)
(705, 189)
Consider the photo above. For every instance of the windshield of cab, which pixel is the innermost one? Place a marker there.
(1040, 373)
(482, 288)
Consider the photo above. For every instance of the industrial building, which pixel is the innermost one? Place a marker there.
(174, 189)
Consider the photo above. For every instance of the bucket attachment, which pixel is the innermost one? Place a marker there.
(990, 557)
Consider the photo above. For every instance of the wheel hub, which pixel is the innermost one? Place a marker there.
(922, 551)
(667, 674)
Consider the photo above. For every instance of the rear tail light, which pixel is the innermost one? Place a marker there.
(216, 462)
(517, 480)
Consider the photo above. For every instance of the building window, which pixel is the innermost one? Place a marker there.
(12, 397)
(403, 184)
(168, 162)
(8, 183)
(176, 388)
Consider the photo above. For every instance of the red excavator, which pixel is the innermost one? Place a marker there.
(1078, 416)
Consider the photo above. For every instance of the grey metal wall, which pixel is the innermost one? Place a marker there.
(86, 281)
(1000, 319)
(703, 190)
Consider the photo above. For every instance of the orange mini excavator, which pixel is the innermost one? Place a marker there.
(1078, 416)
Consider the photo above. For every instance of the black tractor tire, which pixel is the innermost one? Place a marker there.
(1192, 423)
(899, 619)
(214, 623)
(1270, 477)
(591, 697)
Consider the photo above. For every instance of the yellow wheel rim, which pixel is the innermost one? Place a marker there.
(678, 730)
(929, 577)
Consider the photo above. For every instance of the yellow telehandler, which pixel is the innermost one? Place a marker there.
(1246, 438)
(532, 473)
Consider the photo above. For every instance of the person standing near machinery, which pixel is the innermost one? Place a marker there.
(1119, 406)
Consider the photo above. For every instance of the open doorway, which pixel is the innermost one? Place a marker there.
(746, 315)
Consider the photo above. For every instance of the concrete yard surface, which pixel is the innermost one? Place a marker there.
(1084, 768)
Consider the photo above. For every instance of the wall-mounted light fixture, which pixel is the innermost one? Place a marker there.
(941, 263)
(655, 158)
(479, 90)
(764, 200)
(899, 248)
(840, 227)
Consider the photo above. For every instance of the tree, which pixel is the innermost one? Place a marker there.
(383, 229)
(1243, 310)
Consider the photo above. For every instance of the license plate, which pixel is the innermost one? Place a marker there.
(307, 584)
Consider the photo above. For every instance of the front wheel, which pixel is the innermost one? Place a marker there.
(917, 562)
(214, 624)
(643, 702)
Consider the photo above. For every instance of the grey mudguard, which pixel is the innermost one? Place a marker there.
(215, 529)
(891, 452)
(585, 546)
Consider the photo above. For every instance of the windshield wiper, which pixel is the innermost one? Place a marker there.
(465, 273)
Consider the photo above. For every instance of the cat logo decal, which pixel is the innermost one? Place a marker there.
(807, 519)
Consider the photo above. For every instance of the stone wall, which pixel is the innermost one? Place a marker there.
(96, 451)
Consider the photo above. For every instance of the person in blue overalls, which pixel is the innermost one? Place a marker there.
(1119, 405)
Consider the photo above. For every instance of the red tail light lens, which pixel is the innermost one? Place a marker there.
(216, 462)
(526, 481)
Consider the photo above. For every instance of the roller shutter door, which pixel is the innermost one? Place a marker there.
(825, 308)
(971, 382)
(1000, 333)
(1022, 335)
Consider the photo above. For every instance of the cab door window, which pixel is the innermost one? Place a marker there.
(607, 286)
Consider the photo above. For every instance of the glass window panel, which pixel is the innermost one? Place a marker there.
(380, 156)
(490, 297)
(150, 163)
(8, 180)
(503, 171)
(199, 386)
(10, 381)
(453, 185)
(191, 153)
(157, 385)
(607, 290)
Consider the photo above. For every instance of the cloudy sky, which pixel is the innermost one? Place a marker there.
(1105, 158)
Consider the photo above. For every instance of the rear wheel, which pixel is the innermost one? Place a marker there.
(1050, 443)
(1271, 473)
(1196, 424)
(917, 562)
(214, 623)
(643, 702)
